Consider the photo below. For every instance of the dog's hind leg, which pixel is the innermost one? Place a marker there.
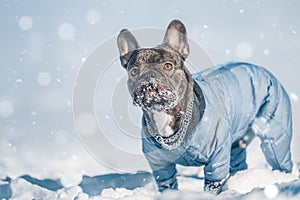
(277, 152)
(238, 152)
(275, 132)
(237, 158)
(276, 147)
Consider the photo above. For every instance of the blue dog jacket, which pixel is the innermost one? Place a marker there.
(239, 97)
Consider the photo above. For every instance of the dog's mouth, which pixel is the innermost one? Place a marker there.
(154, 95)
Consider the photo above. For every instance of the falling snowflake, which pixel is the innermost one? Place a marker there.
(19, 81)
(44, 78)
(294, 96)
(25, 23)
(66, 31)
(92, 16)
(271, 191)
(266, 52)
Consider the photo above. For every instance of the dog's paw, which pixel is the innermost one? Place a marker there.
(214, 187)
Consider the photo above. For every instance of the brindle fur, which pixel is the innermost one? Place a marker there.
(150, 61)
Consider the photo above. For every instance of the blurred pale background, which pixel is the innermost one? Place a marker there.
(44, 43)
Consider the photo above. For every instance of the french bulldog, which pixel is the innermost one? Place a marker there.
(207, 118)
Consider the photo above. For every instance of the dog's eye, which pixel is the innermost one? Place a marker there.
(134, 71)
(168, 66)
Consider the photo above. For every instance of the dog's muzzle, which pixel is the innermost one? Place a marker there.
(154, 95)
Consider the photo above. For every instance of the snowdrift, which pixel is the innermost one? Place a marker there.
(248, 184)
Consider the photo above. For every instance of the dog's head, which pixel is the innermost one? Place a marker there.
(157, 77)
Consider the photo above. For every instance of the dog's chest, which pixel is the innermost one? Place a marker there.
(162, 122)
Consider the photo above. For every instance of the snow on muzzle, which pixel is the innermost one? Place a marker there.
(154, 95)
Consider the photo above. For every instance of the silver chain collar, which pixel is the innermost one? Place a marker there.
(175, 140)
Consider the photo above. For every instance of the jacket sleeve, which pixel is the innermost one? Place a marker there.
(163, 171)
(217, 169)
(165, 177)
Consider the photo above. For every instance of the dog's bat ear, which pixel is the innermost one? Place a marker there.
(176, 38)
(127, 44)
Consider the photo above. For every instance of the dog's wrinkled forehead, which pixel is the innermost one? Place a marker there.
(154, 55)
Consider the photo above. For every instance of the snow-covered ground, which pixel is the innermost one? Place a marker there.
(43, 46)
(249, 184)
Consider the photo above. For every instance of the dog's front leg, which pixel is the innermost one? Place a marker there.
(163, 172)
(166, 178)
(217, 169)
